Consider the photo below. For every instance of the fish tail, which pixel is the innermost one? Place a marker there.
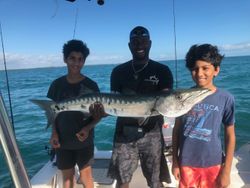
(46, 106)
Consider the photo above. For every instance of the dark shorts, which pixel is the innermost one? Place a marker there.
(125, 158)
(66, 159)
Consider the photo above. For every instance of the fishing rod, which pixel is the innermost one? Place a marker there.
(76, 19)
(7, 78)
(175, 51)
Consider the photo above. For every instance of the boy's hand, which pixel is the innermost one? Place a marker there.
(83, 134)
(176, 171)
(97, 111)
(54, 140)
(223, 180)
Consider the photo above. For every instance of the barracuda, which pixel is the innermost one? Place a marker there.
(172, 103)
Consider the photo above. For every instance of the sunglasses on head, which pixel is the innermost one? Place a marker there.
(139, 33)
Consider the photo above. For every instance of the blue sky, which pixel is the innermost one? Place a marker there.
(35, 30)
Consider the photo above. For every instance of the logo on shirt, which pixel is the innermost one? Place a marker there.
(196, 119)
(153, 79)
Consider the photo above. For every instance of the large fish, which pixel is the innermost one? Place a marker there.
(172, 103)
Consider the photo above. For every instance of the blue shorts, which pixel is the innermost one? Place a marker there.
(67, 159)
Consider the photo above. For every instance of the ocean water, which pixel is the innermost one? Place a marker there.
(30, 121)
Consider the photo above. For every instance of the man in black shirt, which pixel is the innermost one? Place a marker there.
(137, 139)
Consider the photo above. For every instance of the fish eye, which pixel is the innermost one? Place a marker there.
(178, 96)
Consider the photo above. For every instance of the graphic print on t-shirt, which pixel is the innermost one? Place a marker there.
(153, 79)
(196, 119)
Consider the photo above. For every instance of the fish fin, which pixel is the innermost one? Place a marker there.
(46, 106)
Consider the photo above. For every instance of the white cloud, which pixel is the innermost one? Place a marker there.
(239, 46)
(25, 61)
(105, 59)
(238, 49)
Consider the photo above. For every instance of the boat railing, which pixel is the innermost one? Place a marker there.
(11, 151)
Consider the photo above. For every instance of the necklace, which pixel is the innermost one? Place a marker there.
(139, 70)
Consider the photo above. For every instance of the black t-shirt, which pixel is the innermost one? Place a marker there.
(70, 122)
(153, 78)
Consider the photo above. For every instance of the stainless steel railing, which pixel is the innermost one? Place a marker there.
(11, 151)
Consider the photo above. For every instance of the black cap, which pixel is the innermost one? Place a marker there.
(139, 31)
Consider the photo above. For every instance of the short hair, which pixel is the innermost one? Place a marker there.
(204, 52)
(76, 46)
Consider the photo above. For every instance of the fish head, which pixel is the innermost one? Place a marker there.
(178, 102)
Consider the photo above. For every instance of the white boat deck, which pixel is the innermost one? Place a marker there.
(43, 179)
(240, 174)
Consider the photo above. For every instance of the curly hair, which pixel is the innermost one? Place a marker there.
(76, 46)
(204, 52)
